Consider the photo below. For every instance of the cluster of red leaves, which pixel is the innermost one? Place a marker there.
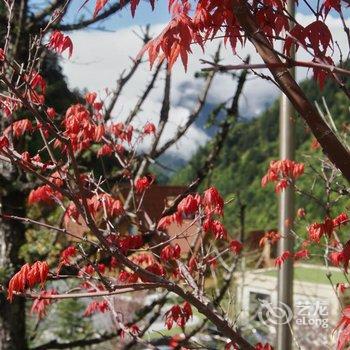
(9, 106)
(270, 236)
(215, 227)
(44, 194)
(132, 277)
(317, 37)
(4, 142)
(300, 254)
(27, 277)
(143, 183)
(344, 329)
(128, 277)
(209, 204)
(37, 88)
(235, 246)
(109, 149)
(176, 38)
(341, 257)
(122, 131)
(317, 230)
(178, 314)
(60, 42)
(66, 256)
(100, 267)
(105, 203)
(84, 126)
(96, 306)
(261, 346)
(210, 17)
(41, 303)
(133, 329)
(127, 243)
(149, 128)
(80, 128)
(329, 5)
(170, 252)
(282, 172)
(189, 205)
(283, 257)
(90, 99)
(19, 127)
(156, 269)
(144, 259)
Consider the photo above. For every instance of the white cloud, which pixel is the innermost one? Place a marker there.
(99, 58)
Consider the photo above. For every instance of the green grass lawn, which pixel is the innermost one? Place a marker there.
(312, 275)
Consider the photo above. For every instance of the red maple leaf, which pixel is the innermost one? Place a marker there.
(344, 329)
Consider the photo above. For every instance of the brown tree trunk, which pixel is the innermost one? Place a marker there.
(12, 316)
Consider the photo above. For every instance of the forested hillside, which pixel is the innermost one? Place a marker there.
(251, 145)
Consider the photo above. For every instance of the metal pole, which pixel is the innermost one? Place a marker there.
(286, 215)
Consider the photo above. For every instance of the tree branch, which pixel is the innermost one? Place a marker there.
(332, 146)
(83, 24)
(191, 118)
(54, 344)
(231, 117)
(143, 97)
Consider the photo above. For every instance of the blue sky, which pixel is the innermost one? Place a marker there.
(144, 14)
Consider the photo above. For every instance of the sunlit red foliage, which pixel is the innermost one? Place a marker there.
(283, 257)
(60, 42)
(170, 252)
(67, 255)
(178, 314)
(18, 128)
(271, 236)
(27, 277)
(301, 255)
(96, 306)
(41, 303)
(236, 246)
(44, 194)
(343, 328)
(282, 173)
(149, 128)
(189, 205)
(143, 183)
(212, 201)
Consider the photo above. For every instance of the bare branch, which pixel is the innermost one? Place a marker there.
(54, 344)
(143, 97)
(83, 24)
(191, 118)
